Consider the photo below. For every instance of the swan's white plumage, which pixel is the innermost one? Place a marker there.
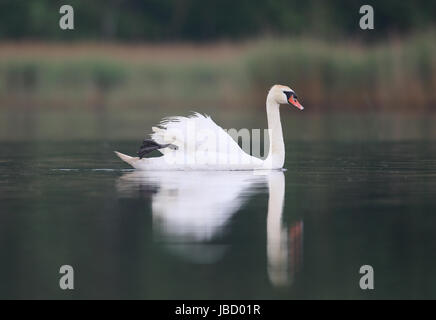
(203, 145)
(174, 130)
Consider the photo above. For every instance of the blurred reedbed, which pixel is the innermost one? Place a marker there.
(396, 75)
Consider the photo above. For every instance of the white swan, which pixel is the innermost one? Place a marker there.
(198, 143)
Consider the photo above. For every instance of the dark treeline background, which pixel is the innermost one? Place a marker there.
(201, 20)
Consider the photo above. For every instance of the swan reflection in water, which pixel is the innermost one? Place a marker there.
(191, 209)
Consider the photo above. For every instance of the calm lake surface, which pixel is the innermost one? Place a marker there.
(302, 233)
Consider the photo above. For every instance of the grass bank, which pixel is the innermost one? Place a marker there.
(396, 75)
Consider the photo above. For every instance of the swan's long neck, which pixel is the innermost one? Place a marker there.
(276, 154)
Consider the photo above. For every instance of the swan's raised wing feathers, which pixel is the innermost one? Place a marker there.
(202, 133)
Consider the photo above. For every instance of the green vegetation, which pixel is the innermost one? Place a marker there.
(198, 20)
(395, 75)
(389, 76)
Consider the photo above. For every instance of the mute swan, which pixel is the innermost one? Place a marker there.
(198, 143)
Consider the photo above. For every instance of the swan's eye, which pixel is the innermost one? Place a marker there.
(288, 94)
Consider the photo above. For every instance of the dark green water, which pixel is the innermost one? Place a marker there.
(303, 233)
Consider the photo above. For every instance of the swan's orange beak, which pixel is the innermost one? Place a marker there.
(295, 102)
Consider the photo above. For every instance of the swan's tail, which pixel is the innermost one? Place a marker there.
(130, 160)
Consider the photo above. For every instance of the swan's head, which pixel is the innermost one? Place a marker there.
(284, 95)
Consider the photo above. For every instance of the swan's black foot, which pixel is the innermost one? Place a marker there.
(149, 145)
